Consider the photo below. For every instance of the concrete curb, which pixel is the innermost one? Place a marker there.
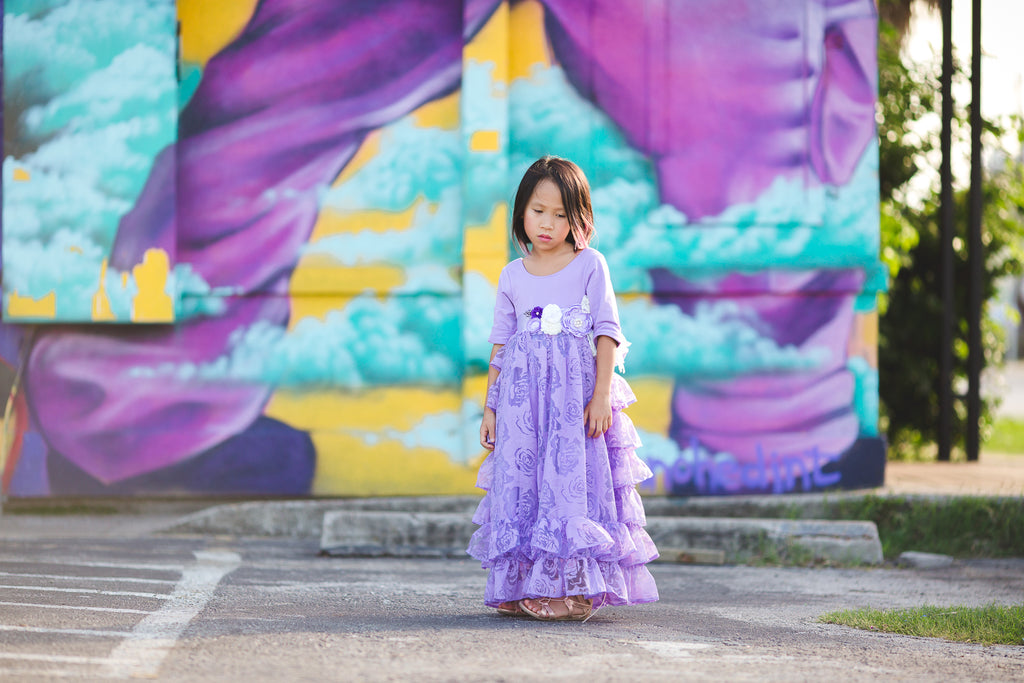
(743, 539)
(396, 534)
(400, 534)
(440, 526)
(303, 518)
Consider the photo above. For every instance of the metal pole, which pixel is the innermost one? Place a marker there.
(946, 239)
(976, 254)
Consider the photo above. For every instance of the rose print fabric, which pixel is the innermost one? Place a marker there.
(561, 515)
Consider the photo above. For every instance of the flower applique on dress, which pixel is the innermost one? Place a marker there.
(553, 319)
(575, 320)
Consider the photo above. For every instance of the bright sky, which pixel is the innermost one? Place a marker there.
(1002, 63)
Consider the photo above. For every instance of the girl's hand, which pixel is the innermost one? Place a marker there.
(597, 416)
(487, 429)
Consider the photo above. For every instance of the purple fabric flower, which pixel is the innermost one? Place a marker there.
(534, 315)
(576, 322)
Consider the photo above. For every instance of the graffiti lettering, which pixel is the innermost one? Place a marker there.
(776, 473)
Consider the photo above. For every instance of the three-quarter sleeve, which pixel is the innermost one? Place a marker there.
(504, 312)
(602, 301)
(604, 309)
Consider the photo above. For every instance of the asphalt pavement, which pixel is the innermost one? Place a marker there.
(146, 590)
(220, 608)
(227, 590)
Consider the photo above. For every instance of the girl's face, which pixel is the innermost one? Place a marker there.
(545, 221)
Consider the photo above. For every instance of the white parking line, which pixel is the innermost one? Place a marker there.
(64, 631)
(11, 674)
(122, 610)
(143, 651)
(56, 659)
(21, 559)
(89, 591)
(66, 577)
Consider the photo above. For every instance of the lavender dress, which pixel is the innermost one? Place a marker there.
(561, 515)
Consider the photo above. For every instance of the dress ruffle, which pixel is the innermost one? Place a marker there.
(553, 523)
(606, 583)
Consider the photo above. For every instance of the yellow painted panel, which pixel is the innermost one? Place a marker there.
(491, 44)
(207, 27)
(316, 306)
(485, 247)
(347, 465)
(864, 338)
(491, 237)
(26, 307)
(21, 175)
(473, 387)
(398, 408)
(152, 303)
(488, 266)
(652, 411)
(333, 222)
(442, 113)
(485, 141)
(101, 310)
(322, 274)
(530, 48)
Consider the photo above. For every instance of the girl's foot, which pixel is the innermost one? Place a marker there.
(574, 608)
(511, 609)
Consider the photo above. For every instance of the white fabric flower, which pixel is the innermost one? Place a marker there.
(585, 304)
(551, 319)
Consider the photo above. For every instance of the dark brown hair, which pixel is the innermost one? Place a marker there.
(575, 191)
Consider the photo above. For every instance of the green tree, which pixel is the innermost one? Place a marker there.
(911, 312)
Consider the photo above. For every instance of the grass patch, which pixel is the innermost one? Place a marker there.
(962, 526)
(1007, 436)
(989, 625)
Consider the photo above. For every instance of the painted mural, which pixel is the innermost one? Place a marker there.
(86, 112)
(263, 258)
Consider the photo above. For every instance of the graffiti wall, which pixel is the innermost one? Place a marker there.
(253, 246)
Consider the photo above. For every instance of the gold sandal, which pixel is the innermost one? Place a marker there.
(511, 609)
(577, 608)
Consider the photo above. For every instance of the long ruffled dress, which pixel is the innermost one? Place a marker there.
(561, 515)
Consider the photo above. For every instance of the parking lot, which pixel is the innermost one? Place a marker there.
(220, 608)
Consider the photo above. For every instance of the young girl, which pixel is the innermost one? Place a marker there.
(561, 524)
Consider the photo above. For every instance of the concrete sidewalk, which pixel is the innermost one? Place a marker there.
(994, 474)
(707, 529)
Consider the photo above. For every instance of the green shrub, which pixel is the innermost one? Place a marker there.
(961, 526)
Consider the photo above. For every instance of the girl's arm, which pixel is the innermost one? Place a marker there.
(597, 417)
(488, 425)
